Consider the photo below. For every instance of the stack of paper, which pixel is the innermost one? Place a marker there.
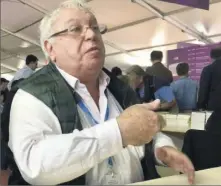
(198, 120)
(183, 121)
(171, 120)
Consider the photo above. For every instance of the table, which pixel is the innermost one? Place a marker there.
(204, 177)
(182, 130)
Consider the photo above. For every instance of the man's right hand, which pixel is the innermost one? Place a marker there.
(139, 124)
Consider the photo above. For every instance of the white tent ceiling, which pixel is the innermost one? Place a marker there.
(134, 29)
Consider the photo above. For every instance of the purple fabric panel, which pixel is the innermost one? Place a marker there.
(197, 57)
(202, 4)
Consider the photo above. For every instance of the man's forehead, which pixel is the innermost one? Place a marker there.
(69, 15)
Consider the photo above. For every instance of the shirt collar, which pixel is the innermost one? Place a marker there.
(184, 77)
(157, 63)
(74, 82)
(27, 67)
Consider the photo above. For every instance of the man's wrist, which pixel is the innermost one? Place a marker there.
(122, 131)
(162, 157)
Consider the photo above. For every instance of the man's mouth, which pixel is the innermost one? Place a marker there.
(93, 49)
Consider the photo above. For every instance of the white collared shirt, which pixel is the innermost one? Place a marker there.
(24, 72)
(46, 156)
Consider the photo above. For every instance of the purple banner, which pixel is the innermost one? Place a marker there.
(197, 57)
(202, 4)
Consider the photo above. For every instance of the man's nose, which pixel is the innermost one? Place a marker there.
(90, 33)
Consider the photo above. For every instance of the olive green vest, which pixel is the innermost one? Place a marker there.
(50, 87)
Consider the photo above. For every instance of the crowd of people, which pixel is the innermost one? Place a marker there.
(74, 122)
(180, 95)
(157, 83)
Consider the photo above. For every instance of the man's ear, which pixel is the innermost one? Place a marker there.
(49, 48)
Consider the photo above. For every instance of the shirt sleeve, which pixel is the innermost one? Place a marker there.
(26, 73)
(161, 140)
(173, 87)
(165, 94)
(44, 155)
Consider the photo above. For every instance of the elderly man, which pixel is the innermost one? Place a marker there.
(74, 123)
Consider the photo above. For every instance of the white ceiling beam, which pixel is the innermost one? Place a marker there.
(118, 48)
(178, 24)
(11, 54)
(173, 12)
(21, 36)
(150, 47)
(40, 9)
(9, 67)
(34, 6)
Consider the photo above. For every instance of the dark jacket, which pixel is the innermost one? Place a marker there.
(151, 85)
(209, 97)
(50, 87)
(160, 71)
(203, 148)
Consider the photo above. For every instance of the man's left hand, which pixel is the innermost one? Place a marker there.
(176, 160)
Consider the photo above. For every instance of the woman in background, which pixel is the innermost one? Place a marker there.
(150, 88)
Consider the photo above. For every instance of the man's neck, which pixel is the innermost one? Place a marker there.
(93, 89)
(185, 76)
(155, 62)
(92, 85)
(29, 67)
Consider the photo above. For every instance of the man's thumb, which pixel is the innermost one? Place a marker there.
(154, 105)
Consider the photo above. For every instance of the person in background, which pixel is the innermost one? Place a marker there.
(185, 89)
(3, 84)
(124, 78)
(4, 166)
(6, 111)
(135, 76)
(116, 71)
(5, 172)
(137, 79)
(158, 69)
(75, 123)
(209, 81)
(6, 155)
(3, 88)
(152, 87)
(168, 101)
(2, 100)
(30, 67)
(209, 97)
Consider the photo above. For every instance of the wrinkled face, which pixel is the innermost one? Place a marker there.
(79, 51)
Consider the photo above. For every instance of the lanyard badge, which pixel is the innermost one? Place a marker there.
(110, 178)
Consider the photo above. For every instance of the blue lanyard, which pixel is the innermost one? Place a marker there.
(85, 110)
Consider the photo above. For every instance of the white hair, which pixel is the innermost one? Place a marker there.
(46, 25)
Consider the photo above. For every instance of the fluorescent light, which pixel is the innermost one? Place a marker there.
(21, 63)
(25, 44)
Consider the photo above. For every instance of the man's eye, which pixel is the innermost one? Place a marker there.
(76, 29)
(96, 28)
